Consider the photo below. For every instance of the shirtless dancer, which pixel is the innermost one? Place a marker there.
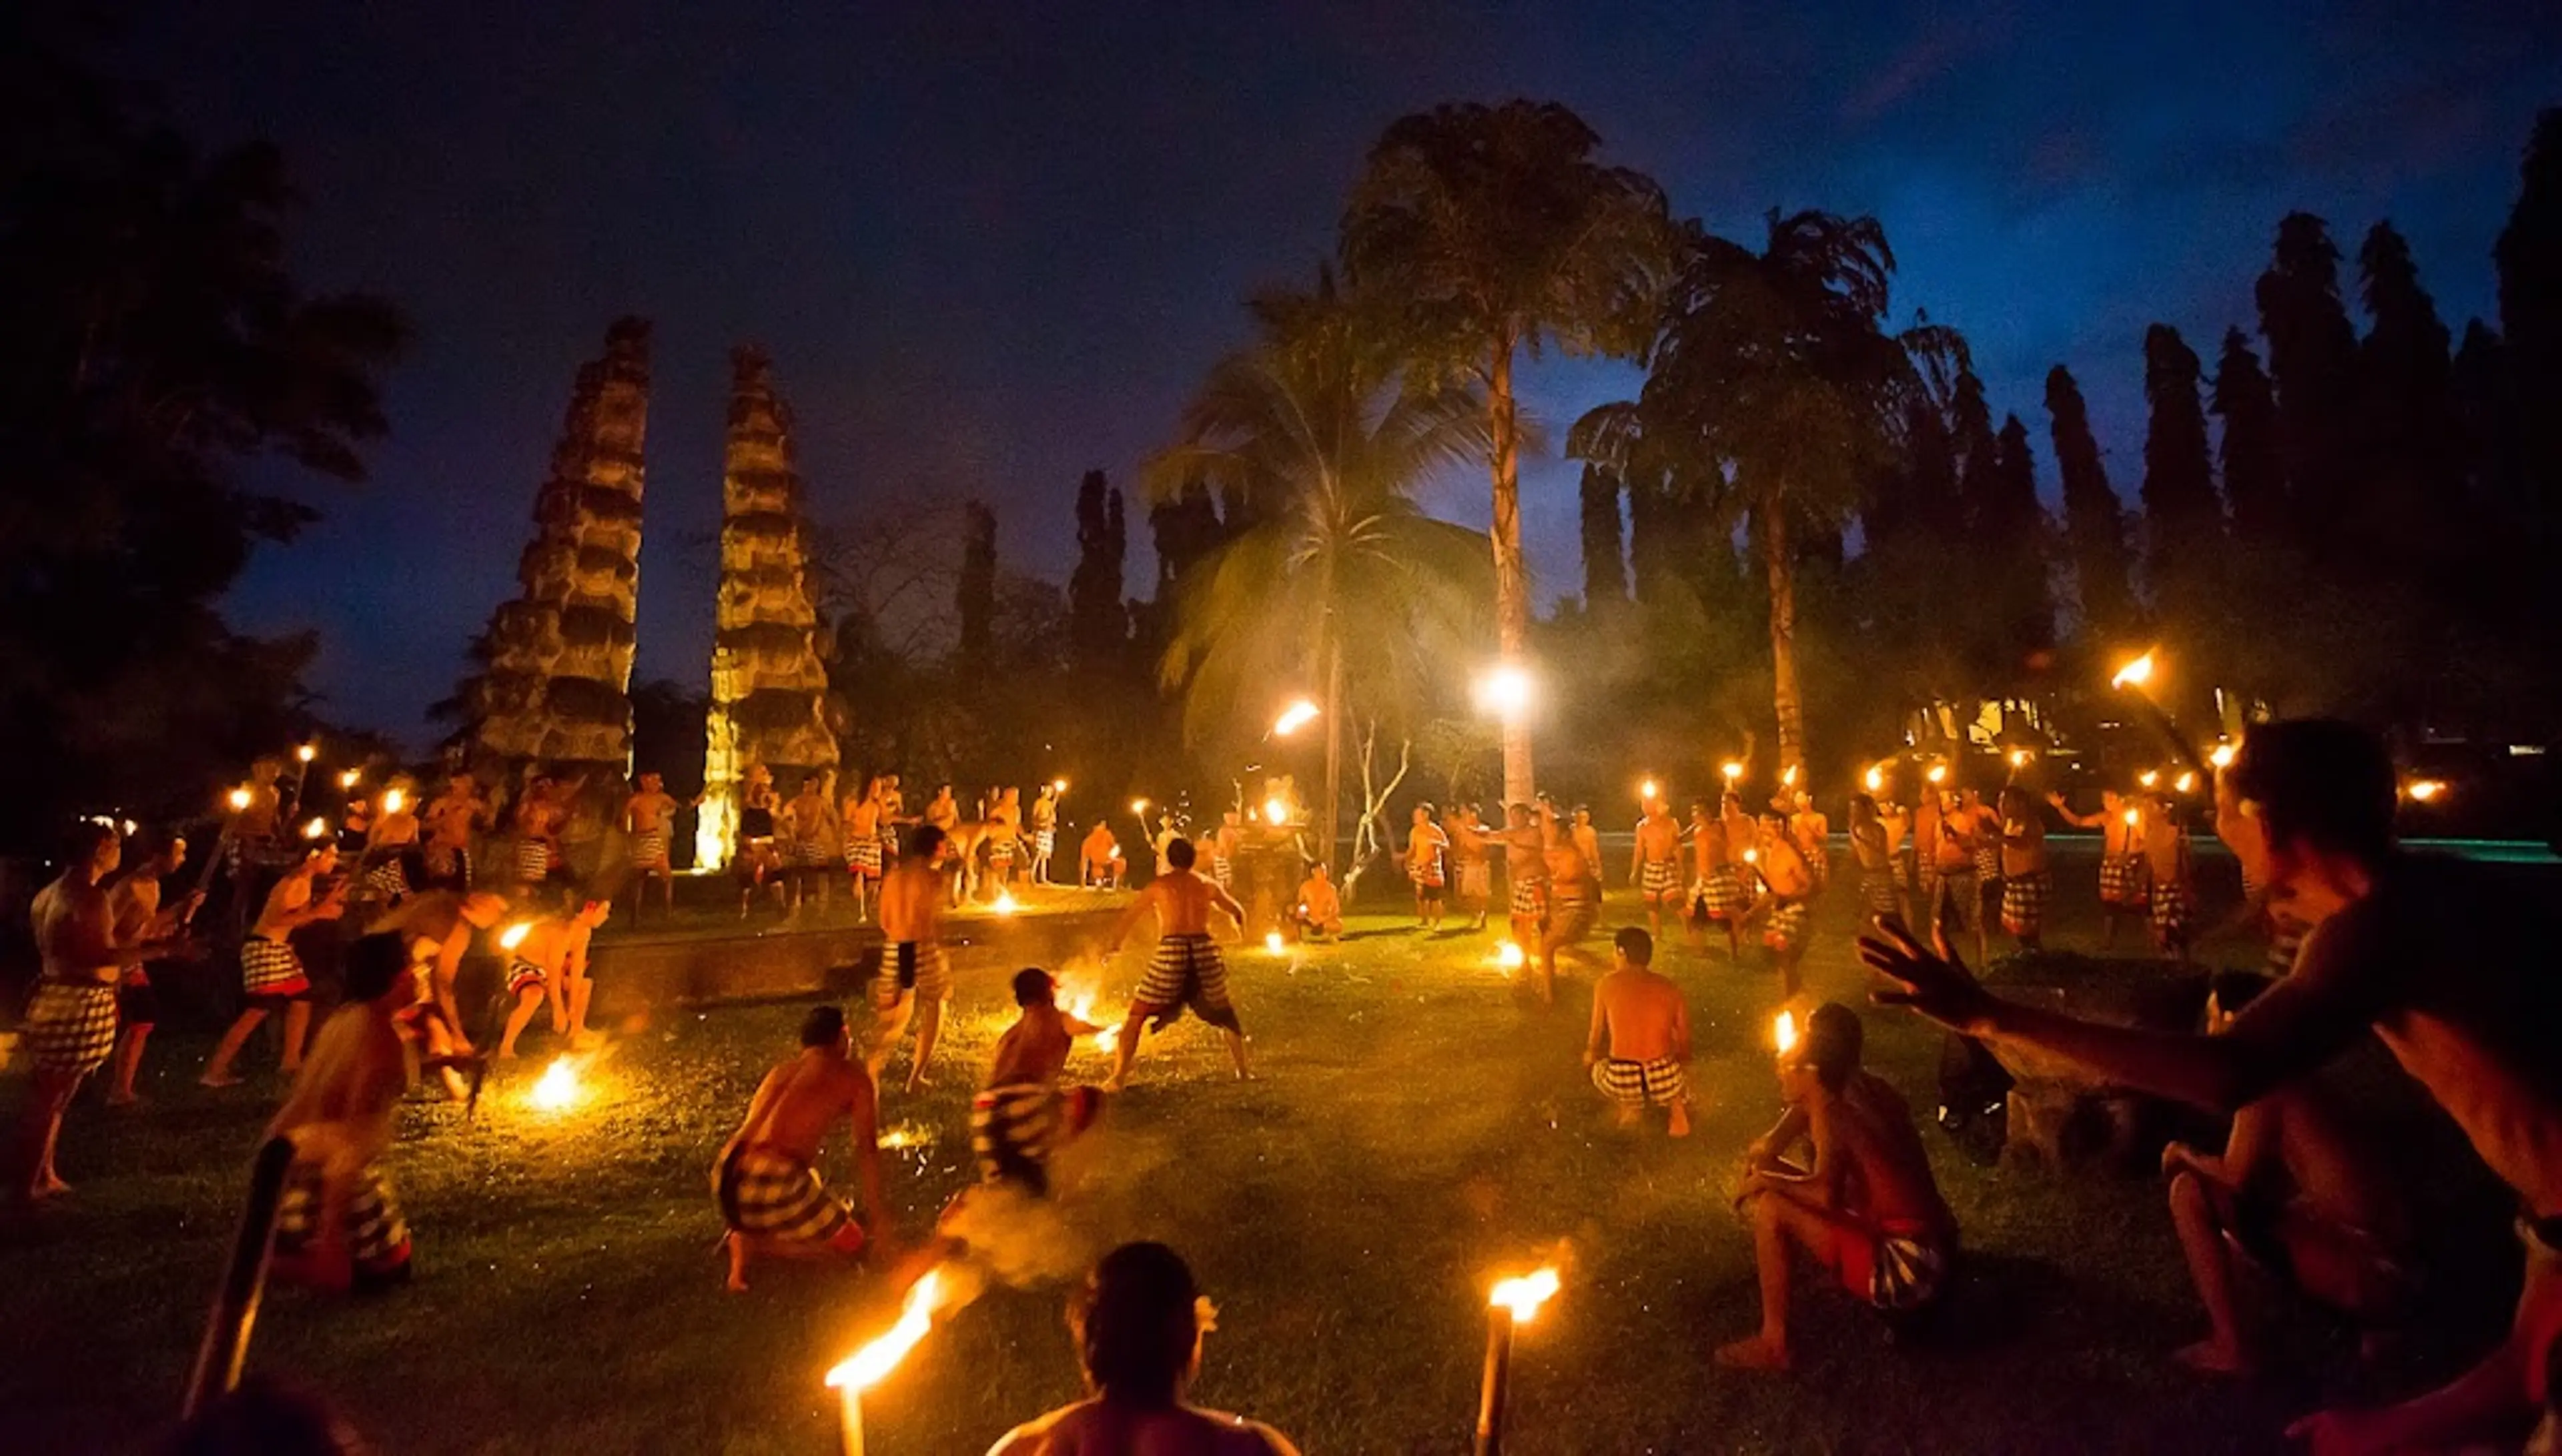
(2026, 883)
(1185, 970)
(392, 867)
(1727, 894)
(649, 822)
(1427, 859)
(436, 928)
(1786, 904)
(2434, 956)
(1812, 832)
(69, 1026)
(2125, 889)
(1044, 831)
(1021, 1117)
(1880, 886)
(1526, 875)
(1655, 866)
(809, 830)
(1640, 1036)
(915, 980)
(766, 1179)
(1587, 843)
(550, 964)
(1952, 888)
(863, 828)
(271, 974)
(1100, 863)
(133, 905)
(1004, 837)
(1867, 1210)
(758, 867)
(1318, 911)
(1574, 906)
(2171, 869)
(1471, 863)
(451, 820)
(1224, 842)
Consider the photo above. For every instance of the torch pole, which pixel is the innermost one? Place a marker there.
(1499, 1375)
(2180, 748)
(849, 1441)
(235, 1314)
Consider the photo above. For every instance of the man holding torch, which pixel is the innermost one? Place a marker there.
(2433, 956)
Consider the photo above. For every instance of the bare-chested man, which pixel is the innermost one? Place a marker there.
(1812, 830)
(648, 823)
(1186, 970)
(1045, 829)
(69, 1026)
(1573, 904)
(1100, 863)
(2299, 1192)
(1004, 837)
(549, 963)
(1655, 866)
(1706, 839)
(808, 836)
(758, 865)
(271, 975)
(1984, 833)
(542, 812)
(1880, 882)
(1319, 909)
(391, 864)
(1867, 1210)
(1587, 843)
(1785, 906)
(133, 905)
(766, 1179)
(1526, 875)
(861, 818)
(2026, 883)
(2125, 887)
(1470, 862)
(943, 812)
(1640, 1036)
(437, 927)
(915, 980)
(2436, 957)
(338, 1225)
(1427, 862)
(2173, 873)
(1224, 842)
(1021, 1117)
(450, 819)
(1952, 889)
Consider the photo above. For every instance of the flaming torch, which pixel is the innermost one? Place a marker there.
(239, 801)
(1876, 779)
(2134, 677)
(1004, 904)
(1515, 1303)
(1783, 1032)
(558, 1089)
(303, 757)
(872, 1364)
(2224, 755)
(1732, 768)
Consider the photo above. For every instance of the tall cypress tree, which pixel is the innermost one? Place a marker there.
(977, 593)
(2312, 361)
(2182, 523)
(1605, 563)
(2254, 475)
(2095, 523)
(1970, 434)
(2529, 256)
(2413, 452)
(2014, 540)
(1098, 624)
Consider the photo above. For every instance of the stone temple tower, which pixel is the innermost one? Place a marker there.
(767, 683)
(558, 658)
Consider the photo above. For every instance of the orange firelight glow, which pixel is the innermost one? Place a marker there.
(558, 1089)
(239, 800)
(1783, 1032)
(2223, 755)
(394, 800)
(2136, 673)
(869, 1366)
(1524, 1295)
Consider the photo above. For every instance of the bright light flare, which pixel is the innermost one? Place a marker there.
(905, 1136)
(2133, 817)
(1273, 944)
(514, 935)
(317, 828)
(1788, 780)
(2186, 782)
(307, 752)
(351, 778)
(1510, 956)
(1504, 691)
(1876, 781)
(394, 800)
(2224, 755)
(872, 1364)
(1058, 786)
(1524, 1295)
(1004, 904)
(2148, 778)
(1783, 1032)
(558, 1089)
(1646, 792)
(2136, 673)
(2426, 791)
(1732, 770)
(2019, 758)
(1275, 812)
(238, 799)
(1138, 806)
(1752, 856)
(1298, 715)
(1938, 774)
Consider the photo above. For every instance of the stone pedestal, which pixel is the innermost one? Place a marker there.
(2061, 1117)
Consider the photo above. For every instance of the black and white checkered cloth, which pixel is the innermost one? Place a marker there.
(2023, 904)
(270, 968)
(1660, 1082)
(912, 968)
(377, 1234)
(773, 1195)
(2124, 881)
(70, 1028)
(1660, 877)
(1186, 971)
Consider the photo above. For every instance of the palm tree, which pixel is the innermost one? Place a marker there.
(1344, 582)
(1774, 391)
(1500, 234)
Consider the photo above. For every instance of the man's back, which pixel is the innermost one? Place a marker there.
(800, 1098)
(1646, 1014)
(1891, 1167)
(1095, 1428)
(911, 903)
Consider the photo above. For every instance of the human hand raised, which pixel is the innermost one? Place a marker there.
(1938, 986)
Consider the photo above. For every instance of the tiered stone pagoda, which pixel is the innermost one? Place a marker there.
(768, 685)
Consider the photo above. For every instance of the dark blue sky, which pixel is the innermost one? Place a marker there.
(991, 245)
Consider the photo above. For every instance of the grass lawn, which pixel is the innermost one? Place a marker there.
(1414, 1127)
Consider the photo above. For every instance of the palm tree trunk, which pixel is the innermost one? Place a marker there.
(1512, 575)
(1333, 751)
(1786, 696)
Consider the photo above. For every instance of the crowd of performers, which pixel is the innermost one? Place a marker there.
(2434, 957)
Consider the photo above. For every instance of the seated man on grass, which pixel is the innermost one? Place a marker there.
(766, 1179)
(1867, 1210)
(2297, 1194)
(1139, 1328)
(1023, 1117)
(1640, 1035)
(1320, 911)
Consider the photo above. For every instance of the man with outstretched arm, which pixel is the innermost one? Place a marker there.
(1186, 970)
(2444, 964)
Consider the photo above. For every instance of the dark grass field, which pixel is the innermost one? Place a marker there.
(1416, 1128)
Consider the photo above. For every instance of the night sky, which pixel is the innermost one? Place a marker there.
(991, 246)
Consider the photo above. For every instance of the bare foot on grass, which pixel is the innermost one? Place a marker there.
(1755, 1353)
(2211, 1357)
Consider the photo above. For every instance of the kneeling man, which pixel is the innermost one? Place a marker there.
(1023, 1116)
(766, 1180)
(1640, 1035)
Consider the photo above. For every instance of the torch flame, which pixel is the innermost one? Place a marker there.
(2136, 673)
(1275, 812)
(1294, 718)
(1732, 770)
(239, 800)
(2425, 790)
(2133, 818)
(2148, 778)
(869, 1366)
(2186, 782)
(1938, 774)
(1138, 806)
(1783, 1032)
(351, 778)
(1511, 957)
(394, 800)
(514, 935)
(1106, 1040)
(2223, 755)
(1788, 780)
(558, 1088)
(1524, 1295)
(307, 752)
(1876, 779)
(2019, 758)
(1646, 792)
(1004, 904)
(1273, 944)
(1752, 856)
(318, 827)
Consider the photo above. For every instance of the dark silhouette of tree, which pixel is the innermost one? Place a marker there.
(2255, 479)
(2012, 555)
(1773, 394)
(2313, 363)
(2413, 455)
(2183, 525)
(1502, 234)
(1914, 523)
(974, 596)
(1098, 621)
(1186, 527)
(2529, 257)
(1605, 560)
(165, 381)
(2095, 523)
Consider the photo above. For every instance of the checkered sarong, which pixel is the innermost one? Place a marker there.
(270, 968)
(1660, 1082)
(1530, 896)
(1960, 891)
(389, 879)
(1786, 930)
(1721, 896)
(1016, 1128)
(1905, 1271)
(377, 1234)
(533, 860)
(774, 1194)
(1988, 866)
(1187, 971)
(1660, 877)
(70, 1028)
(2023, 902)
(1877, 887)
(2124, 882)
(648, 850)
(1425, 869)
(1044, 843)
(912, 968)
(522, 974)
(2172, 909)
(1222, 871)
(863, 855)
